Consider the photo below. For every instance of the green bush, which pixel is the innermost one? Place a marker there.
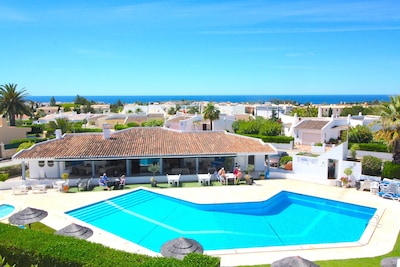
(285, 160)
(391, 170)
(24, 247)
(12, 171)
(371, 166)
(272, 139)
(376, 147)
(3, 176)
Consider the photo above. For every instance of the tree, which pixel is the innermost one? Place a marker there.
(390, 132)
(12, 102)
(211, 113)
(360, 134)
(53, 102)
(61, 123)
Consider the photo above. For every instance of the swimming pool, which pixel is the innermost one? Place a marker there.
(150, 219)
(5, 210)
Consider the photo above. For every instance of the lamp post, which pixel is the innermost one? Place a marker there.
(348, 128)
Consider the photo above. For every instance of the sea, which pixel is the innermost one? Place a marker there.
(299, 99)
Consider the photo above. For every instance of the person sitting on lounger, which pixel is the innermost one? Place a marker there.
(104, 181)
(222, 175)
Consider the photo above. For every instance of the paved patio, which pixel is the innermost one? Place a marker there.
(379, 238)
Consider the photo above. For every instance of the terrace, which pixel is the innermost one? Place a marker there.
(380, 239)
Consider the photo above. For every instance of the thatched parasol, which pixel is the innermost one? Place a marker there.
(76, 230)
(27, 216)
(178, 248)
(295, 261)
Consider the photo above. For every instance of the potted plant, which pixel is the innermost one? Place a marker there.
(247, 176)
(153, 182)
(346, 180)
(65, 187)
(261, 175)
(154, 168)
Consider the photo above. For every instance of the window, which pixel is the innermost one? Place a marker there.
(41, 163)
(50, 163)
(250, 160)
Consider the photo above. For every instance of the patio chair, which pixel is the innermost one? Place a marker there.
(39, 188)
(366, 185)
(20, 190)
(121, 185)
(173, 179)
(391, 192)
(219, 178)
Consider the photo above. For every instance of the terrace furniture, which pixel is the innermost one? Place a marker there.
(228, 177)
(84, 184)
(391, 191)
(20, 190)
(38, 188)
(173, 179)
(204, 179)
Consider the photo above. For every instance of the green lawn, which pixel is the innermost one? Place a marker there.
(357, 262)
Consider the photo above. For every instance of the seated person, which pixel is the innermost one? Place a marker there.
(239, 175)
(222, 174)
(103, 181)
(120, 183)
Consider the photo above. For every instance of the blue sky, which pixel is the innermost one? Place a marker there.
(201, 47)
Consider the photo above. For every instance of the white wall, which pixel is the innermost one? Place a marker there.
(49, 172)
(310, 166)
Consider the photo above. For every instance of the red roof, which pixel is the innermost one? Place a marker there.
(145, 142)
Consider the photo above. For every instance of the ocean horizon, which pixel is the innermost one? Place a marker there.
(301, 99)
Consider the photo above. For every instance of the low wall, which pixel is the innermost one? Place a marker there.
(283, 146)
(380, 155)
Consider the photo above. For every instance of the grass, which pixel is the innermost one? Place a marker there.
(356, 262)
(148, 185)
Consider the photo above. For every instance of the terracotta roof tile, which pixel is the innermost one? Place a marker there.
(312, 124)
(144, 142)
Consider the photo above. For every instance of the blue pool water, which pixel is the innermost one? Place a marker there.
(150, 219)
(5, 210)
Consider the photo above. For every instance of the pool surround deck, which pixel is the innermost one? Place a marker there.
(378, 239)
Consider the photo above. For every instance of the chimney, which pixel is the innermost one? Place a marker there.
(106, 131)
(58, 134)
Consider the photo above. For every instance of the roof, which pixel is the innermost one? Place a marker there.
(312, 124)
(145, 142)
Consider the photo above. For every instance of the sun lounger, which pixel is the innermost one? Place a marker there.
(20, 190)
(39, 188)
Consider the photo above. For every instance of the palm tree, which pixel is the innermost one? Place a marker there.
(390, 132)
(12, 102)
(211, 113)
(61, 123)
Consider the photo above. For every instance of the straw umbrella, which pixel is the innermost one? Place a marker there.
(27, 216)
(295, 261)
(75, 230)
(178, 248)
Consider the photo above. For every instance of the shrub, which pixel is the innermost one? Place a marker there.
(360, 134)
(3, 176)
(391, 170)
(377, 147)
(285, 160)
(371, 166)
(353, 150)
(13, 170)
(23, 248)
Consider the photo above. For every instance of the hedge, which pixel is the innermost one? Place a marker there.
(391, 170)
(272, 139)
(376, 147)
(24, 247)
(12, 171)
(371, 165)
